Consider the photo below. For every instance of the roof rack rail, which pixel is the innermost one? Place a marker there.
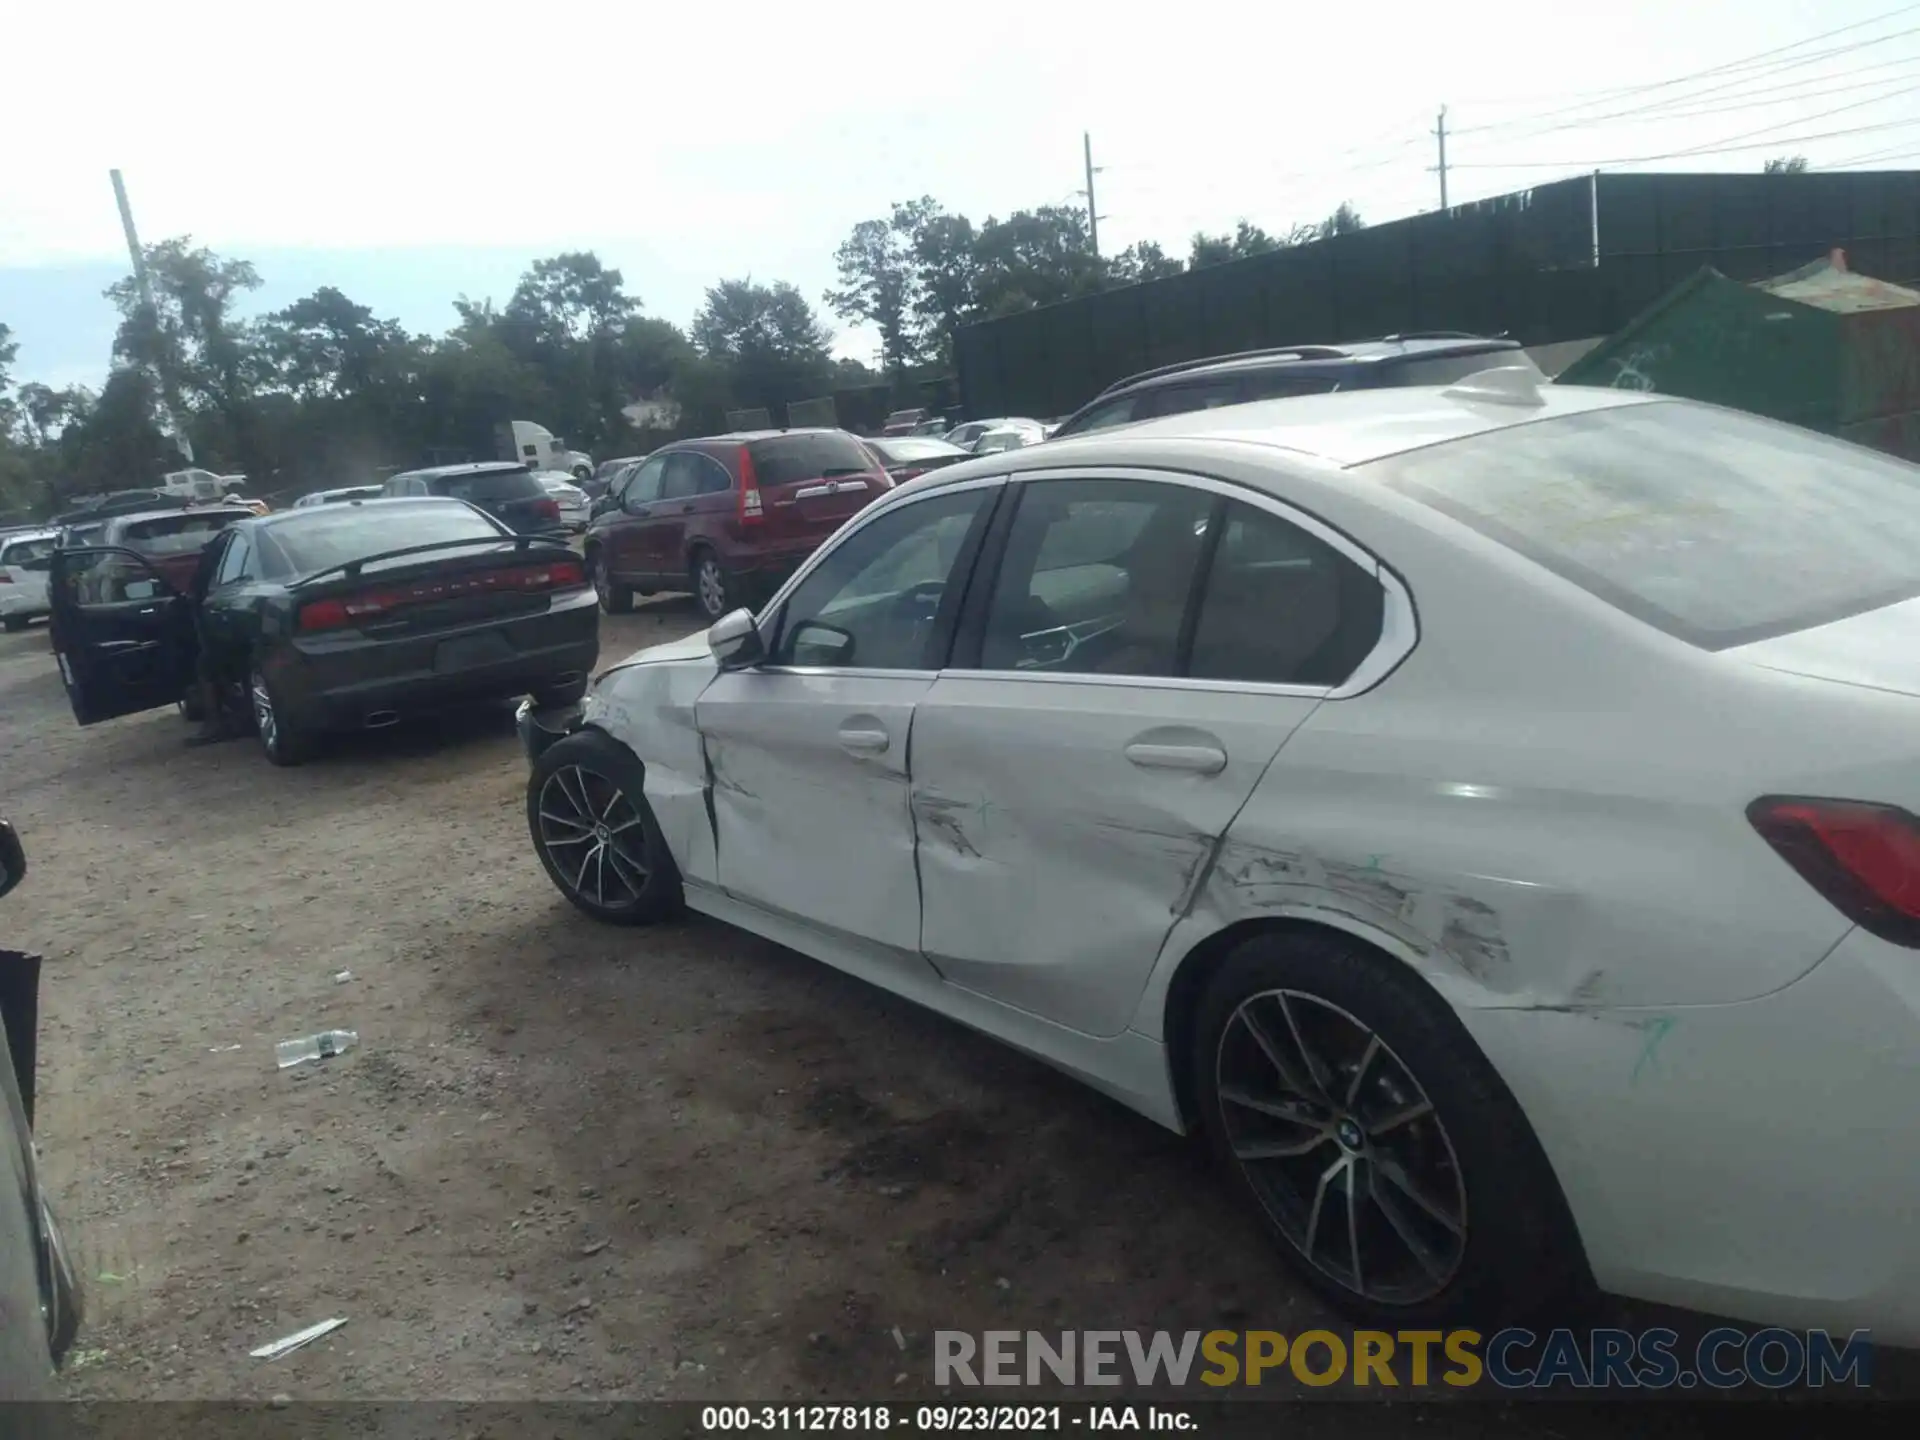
(1293, 352)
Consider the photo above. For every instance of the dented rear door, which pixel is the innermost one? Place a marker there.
(1141, 663)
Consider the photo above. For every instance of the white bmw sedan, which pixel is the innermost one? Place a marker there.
(1487, 813)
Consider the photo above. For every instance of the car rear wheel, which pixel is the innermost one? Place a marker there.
(712, 586)
(284, 738)
(615, 598)
(596, 834)
(1398, 1174)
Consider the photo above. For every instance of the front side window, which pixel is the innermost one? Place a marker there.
(1096, 577)
(872, 601)
(643, 486)
(1185, 399)
(111, 577)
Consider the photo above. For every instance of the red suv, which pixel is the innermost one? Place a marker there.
(727, 517)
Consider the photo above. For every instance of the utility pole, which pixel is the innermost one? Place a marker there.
(1440, 133)
(1093, 217)
(144, 288)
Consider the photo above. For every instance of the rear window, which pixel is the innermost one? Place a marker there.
(790, 459)
(894, 451)
(491, 486)
(1716, 527)
(26, 552)
(177, 534)
(1445, 369)
(324, 538)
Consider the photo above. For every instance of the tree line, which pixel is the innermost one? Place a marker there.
(325, 392)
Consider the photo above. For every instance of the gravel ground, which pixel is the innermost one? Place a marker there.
(566, 1158)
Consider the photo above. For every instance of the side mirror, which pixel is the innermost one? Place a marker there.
(13, 858)
(735, 641)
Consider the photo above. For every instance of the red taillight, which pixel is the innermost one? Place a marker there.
(750, 511)
(357, 609)
(547, 509)
(1864, 858)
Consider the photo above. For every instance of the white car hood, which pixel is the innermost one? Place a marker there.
(1879, 649)
(687, 647)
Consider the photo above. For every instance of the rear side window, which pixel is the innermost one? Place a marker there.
(1282, 607)
(492, 486)
(1278, 385)
(327, 537)
(28, 554)
(1184, 399)
(1716, 527)
(176, 534)
(792, 459)
(1446, 369)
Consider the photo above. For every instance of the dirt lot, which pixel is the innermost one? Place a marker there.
(566, 1159)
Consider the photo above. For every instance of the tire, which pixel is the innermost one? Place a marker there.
(1492, 1240)
(615, 598)
(560, 694)
(579, 785)
(284, 738)
(15, 624)
(713, 589)
(192, 710)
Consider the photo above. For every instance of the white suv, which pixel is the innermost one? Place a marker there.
(25, 559)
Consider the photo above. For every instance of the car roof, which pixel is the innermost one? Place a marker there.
(386, 503)
(167, 512)
(1386, 349)
(1342, 429)
(442, 472)
(744, 437)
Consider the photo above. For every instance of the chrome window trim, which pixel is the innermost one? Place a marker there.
(886, 505)
(1399, 619)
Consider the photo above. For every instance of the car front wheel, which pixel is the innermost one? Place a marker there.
(1398, 1174)
(595, 833)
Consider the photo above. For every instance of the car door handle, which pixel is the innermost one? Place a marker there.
(1200, 759)
(863, 741)
(687, 509)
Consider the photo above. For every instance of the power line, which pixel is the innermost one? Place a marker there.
(1817, 87)
(1730, 66)
(1717, 149)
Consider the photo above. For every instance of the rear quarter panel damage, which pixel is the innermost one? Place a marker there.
(1507, 877)
(648, 706)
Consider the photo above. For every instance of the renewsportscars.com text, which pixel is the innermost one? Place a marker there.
(1655, 1359)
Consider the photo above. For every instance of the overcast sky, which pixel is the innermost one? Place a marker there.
(409, 152)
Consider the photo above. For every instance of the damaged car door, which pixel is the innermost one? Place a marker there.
(1146, 646)
(808, 749)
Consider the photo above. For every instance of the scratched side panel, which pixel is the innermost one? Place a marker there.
(1051, 865)
(649, 708)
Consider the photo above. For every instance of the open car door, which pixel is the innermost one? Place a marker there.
(123, 635)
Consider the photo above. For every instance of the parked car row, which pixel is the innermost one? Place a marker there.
(1445, 801)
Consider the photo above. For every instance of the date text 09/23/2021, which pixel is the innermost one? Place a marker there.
(946, 1418)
